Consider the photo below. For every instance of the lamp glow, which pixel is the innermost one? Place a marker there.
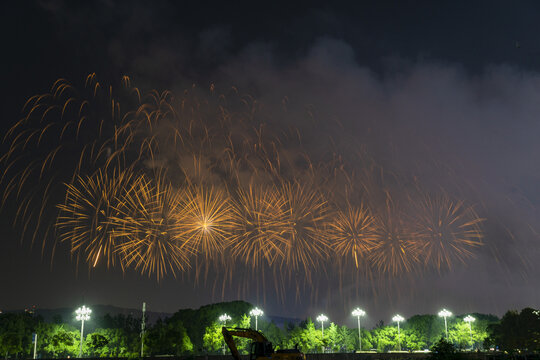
(224, 318)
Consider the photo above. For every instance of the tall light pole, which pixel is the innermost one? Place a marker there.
(224, 318)
(359, 313)
(256, 312)
(469, 319)
(445, 313)
(322, 318)
(83, 314)
(398, 319)
(143, 325)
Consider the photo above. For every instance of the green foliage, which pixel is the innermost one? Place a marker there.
(517, 331)
(197, 321)
(190, 332)
(444, 350)
(62, 341)
(349, 338)
(386, 338)
(213, 338)
(16, 333)
(168, 337)
(428, 328)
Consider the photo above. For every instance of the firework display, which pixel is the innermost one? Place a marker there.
(168, 184)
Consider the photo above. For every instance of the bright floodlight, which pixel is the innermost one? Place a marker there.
(359, 313)
(322, 318)
(83, 314)
(398, 319)
(445, 313)
(256, 312)
(224, 318)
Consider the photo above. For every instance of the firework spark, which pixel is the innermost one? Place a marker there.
(396, 250)
(86, 216)
(352, 234)
(148, 219)
(448, 229)
(257, 220)
(306, 214)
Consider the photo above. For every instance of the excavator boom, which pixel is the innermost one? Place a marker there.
(228, 334)
(260, 348)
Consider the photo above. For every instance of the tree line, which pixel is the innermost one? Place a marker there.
(189, 332)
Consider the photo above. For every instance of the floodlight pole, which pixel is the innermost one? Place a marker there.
(445, 313)
(223, 318)
(83, 313)
(256, 312)
(398, 319)
(469, 319)
(82, 332)
(358, 313)
(359, 334)
(322, 318)
(35, 345)
(143, 324)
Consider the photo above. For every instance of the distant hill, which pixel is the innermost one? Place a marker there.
(234, 308)
(195, 321)
(67, 315)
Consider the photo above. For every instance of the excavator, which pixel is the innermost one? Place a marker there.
(260, 348)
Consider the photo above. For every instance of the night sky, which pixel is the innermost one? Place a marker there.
(447, 93)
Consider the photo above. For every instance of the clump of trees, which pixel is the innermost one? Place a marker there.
(198, 332)
(516, 332)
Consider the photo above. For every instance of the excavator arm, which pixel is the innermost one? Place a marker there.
(228, 334)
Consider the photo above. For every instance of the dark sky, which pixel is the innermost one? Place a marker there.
(448, 92)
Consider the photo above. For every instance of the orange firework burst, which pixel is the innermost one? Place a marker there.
(257, 218)
(148, 220)
(302, 236)
(395, 250)
(85, 219)
(448, 229)
(352, 233)
(205, 221)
